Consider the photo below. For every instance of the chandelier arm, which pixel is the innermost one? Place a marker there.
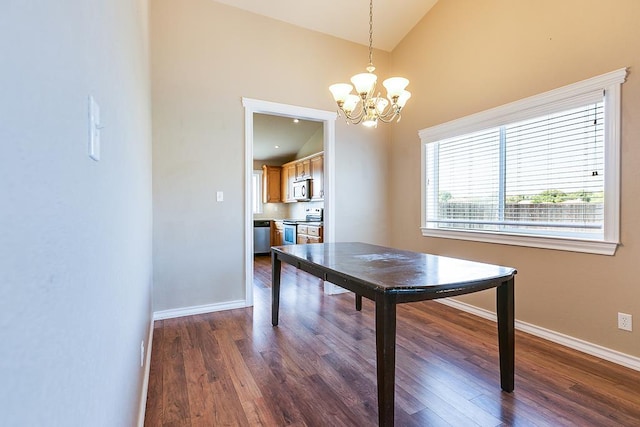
(387, 112)
(388, 119)
(358, 112)
(355, 116)
(390, 113)
(354, 120)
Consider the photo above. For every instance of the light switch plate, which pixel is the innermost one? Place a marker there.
(94, 129)
(219, 196)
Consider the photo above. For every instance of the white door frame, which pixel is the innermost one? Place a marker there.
(328, 118)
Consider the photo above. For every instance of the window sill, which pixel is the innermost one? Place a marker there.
(561, 244)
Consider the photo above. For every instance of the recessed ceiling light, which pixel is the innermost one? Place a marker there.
(296, 120)
(277, 146)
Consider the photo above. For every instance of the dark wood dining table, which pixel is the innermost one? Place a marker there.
(391, 276)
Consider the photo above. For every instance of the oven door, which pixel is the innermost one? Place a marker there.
(289, 234)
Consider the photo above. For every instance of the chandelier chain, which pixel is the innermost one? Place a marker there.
(371, 32)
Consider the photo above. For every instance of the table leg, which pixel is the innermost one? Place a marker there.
(506, 334)
(358, 302)
(386, 357)
(275, 288)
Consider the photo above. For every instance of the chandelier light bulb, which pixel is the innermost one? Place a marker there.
(395, 86)
(351, 103)
(403, 98)
(340, 91)
(370, 123)
(364, 82)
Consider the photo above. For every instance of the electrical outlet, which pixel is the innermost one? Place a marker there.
(141, 354)
(625, 322)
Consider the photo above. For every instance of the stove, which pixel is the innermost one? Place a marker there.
(291, 225)
(312, 215)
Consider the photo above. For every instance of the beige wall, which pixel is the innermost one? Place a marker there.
(205, 58)
(468, 56)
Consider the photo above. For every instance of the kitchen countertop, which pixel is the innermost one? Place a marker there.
(314, 223)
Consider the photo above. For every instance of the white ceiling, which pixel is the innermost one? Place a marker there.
(346, 19)
(269, 131)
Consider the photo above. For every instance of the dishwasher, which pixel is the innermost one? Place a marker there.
(261, 236)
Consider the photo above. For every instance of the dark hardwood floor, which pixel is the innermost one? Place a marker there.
(317, 368)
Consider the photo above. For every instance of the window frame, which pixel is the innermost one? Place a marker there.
(537, 105)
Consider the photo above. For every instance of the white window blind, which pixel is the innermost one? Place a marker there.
(535, 175)
(545, 168)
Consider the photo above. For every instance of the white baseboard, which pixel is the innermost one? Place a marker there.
(198, 309)
(145, 384)
(556, 337)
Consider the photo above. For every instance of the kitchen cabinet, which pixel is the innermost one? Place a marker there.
(303, 169)
(284, 186)
(288, 178)
(277, 233)
(311, 167)
(317, 176)
(271, 184)
(309, 234)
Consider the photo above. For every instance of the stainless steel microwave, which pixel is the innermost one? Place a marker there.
(302, 190)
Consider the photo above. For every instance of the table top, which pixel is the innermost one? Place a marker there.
(386, 269)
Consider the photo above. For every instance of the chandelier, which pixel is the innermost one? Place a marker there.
(366, 106)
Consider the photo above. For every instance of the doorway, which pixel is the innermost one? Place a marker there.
(327, 118)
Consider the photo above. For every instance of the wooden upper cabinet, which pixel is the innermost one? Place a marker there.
(311, 167)
(288, 178)
(303, 169)
(284, 183)
(317, 174)
(271, 184)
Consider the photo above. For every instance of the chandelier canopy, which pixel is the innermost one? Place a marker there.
(366, 106)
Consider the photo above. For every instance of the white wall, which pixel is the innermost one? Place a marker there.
(75, 235)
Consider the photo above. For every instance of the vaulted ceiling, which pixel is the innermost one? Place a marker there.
(346, 19)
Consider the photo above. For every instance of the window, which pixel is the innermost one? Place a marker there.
(541, 172)
(256, 186)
